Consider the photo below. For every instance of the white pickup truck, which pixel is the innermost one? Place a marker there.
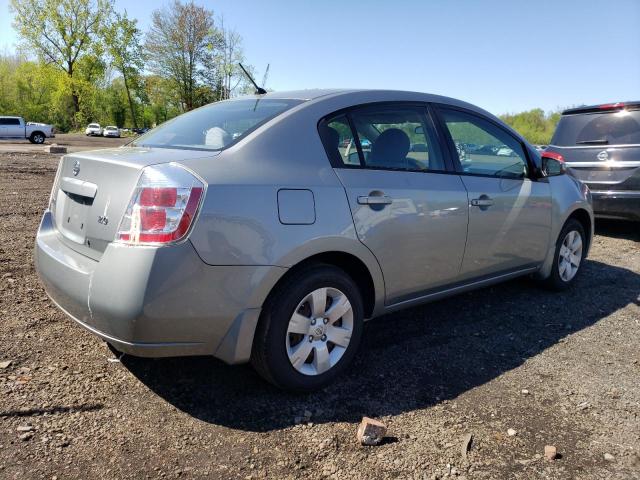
(16, 127)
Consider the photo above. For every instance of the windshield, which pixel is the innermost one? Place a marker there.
(610, 128)
(215, 126)
(93, 125)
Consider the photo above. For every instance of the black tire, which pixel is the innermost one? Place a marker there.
(269, 354)
(37, 138)
(555, 281)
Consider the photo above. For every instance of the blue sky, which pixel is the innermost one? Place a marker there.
(503, 55)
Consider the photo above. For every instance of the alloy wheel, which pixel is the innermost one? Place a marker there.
(319, 331)
(570, 256)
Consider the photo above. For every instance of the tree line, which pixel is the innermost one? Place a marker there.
(82, 61)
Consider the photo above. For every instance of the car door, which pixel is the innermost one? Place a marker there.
(14, 128)
(509, 211)
(407, 206)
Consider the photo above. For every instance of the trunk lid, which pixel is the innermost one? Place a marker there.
(94, 189)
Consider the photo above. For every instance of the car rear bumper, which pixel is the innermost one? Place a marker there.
(618, 204)
(156, 302)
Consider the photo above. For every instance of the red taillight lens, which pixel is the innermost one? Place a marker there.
(152, 219)
(163, 206)
(554, 156)
(611, 106)
(158, 197)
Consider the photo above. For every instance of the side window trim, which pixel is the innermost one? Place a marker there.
(433, 117)
(356, 137)
(451, 144)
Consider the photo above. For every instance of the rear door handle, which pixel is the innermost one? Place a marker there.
(483, 201)
(375, 200)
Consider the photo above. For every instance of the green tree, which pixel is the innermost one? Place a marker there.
(534, 125)
(61, 31)
(123, 42)
(181, 45)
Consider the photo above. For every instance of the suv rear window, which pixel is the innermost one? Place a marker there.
(609, 128)
(215, 126)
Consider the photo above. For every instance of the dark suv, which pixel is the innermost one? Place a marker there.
(601, 147)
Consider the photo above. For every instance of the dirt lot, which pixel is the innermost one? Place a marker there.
(560, 370)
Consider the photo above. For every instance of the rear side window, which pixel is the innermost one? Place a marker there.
(607, 128)
(339, 141)
(388, 137)
(215, 126)
(9, 121)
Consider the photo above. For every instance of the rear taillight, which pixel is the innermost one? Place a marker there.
(162, 207)
(611, 106)
(553, 155)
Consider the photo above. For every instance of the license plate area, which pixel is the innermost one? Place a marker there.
(75, 213)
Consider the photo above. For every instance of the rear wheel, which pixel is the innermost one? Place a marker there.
(569, 256)
(309, 330)
(37, 137)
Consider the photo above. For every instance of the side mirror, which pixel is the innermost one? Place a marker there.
(553, 164)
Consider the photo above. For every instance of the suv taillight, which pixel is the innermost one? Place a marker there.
(162, 207)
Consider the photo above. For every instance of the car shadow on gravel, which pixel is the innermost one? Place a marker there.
(408, 360)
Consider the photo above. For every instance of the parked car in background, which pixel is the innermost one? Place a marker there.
(17, 128)
(505, 151)
(210, 236)
(600, 145)
(140, 131)
(93, 129)
(111, 131)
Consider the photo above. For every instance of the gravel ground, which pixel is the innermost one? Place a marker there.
(559, 369)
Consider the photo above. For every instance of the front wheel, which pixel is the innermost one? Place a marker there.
(569, 256)
(309, 330)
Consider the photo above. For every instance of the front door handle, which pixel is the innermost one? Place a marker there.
(375, 200)
(483, 201)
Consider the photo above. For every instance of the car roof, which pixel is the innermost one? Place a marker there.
(316, 93)
(364, 96)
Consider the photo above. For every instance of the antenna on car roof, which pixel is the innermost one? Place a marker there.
(259, 90)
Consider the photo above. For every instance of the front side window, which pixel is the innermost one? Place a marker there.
(215, 126)
(484, 148)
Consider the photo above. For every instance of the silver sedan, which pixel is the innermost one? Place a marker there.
(268, 228)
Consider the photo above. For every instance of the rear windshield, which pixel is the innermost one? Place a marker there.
(610, 128)
(215, 126)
